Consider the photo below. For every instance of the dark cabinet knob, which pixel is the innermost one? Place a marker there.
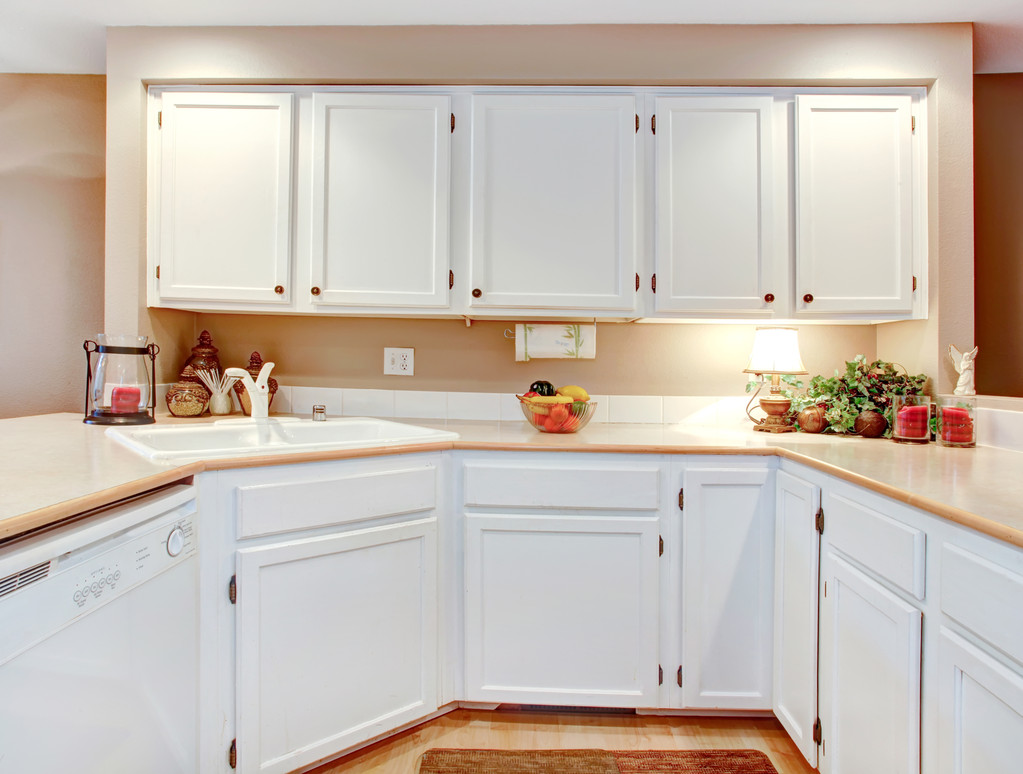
(476, 292)
(808, 298)
(315, 291)
(279, 290)
(769, 298)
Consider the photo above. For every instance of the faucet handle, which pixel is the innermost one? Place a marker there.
(319, 413)
(264, 376)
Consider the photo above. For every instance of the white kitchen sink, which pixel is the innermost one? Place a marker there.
(242, 437)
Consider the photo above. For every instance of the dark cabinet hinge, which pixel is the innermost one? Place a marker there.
(653, 124)
(637, 122)
(232, 754)
(451, 279)
(818, 731)
(678, 677)
(158, 272)
(637, 282)
(660, 546)
(912, 123)
(232, 589)
(660, 675)
(819, 520)
(452, 123)
(914, 284)
(159, 120)
(653, 283)
(681, 499)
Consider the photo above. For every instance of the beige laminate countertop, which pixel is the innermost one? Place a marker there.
(54, 466)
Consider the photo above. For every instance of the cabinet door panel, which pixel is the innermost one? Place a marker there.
(562, 610)
(225, 197)
(981, 711)
(854, 203)
(869, 675)
(714, 189)
(337, 642)
(553, 201)
(728, 557)
(796, 563)
(381, 166)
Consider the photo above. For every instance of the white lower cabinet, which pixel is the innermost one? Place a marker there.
(562, 556)
(796, 572)
(727, 581)
(337, 642)
(980, 710)
(562, 609)
(870, 641)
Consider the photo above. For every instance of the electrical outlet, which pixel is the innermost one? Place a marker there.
(399, 361)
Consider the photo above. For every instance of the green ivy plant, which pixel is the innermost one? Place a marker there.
(863, 387)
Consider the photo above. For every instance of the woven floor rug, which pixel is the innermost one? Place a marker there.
(445, 761)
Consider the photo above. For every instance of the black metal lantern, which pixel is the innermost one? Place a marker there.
(122, 391)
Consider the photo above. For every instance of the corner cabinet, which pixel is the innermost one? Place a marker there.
(222, 180)
(553, 202)
(715, 245)
(380, 219)
(857, 241)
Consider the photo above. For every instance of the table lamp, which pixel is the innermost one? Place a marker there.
(775, 352)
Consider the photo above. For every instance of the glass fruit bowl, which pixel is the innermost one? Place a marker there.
(557, 417)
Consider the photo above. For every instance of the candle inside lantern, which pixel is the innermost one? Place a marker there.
(125, 400)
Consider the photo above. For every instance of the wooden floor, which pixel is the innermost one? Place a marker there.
(512, 729)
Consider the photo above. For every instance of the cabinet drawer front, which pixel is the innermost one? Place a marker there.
(266, 509)
(892, 549)
(984, 597)
(562, 486)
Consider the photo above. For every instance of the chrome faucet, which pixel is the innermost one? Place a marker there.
(259, 391)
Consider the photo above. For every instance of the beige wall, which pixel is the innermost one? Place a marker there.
(52, 150)
(998, 116)
(938, 56)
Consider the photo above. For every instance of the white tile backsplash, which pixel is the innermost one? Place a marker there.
(368, 403)
(600, 412)
(509, 408)
(635, 409)
(475, 405)
(302, 400)
(420, 405)
(1000, 428)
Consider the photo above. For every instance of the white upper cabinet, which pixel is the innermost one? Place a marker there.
(715, 174)
(553, 202)
(854, 204)
(222, 230)
(381, 167)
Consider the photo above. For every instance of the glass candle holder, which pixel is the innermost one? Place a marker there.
(957, 420)
(911, 418)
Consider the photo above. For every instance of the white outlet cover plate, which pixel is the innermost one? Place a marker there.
(399, 361)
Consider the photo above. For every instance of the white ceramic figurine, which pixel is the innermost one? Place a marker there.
(963, 362)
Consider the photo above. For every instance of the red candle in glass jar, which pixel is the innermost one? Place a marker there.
(913, 422)
(125, 400)
(956, 424)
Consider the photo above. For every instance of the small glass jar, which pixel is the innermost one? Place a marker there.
(911, 418)
(957, 420)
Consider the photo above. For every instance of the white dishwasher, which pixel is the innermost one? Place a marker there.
(99, 642)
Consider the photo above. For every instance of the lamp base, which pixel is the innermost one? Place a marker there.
(776, 407)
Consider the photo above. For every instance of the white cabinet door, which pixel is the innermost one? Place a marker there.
(553, 213)
(854, 204)
(727, 598)
(715, 170)
(336, 642)
(980, 727)
(381, 168)
(562, 609)
(223, 219)
(870, 658)
(796, 562)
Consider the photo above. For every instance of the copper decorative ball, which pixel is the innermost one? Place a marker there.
(812, 419)
(870, 424)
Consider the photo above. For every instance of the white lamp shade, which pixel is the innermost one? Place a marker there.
(775, 351)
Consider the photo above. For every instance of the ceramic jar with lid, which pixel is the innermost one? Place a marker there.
(187, 398)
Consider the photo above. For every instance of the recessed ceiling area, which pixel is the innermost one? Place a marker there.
(69, 36)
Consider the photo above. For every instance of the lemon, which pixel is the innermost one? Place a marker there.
(574, 391)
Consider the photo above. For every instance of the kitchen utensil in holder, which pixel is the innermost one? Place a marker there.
(121, 391)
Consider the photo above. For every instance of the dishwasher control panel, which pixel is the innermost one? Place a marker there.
(85, 576)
